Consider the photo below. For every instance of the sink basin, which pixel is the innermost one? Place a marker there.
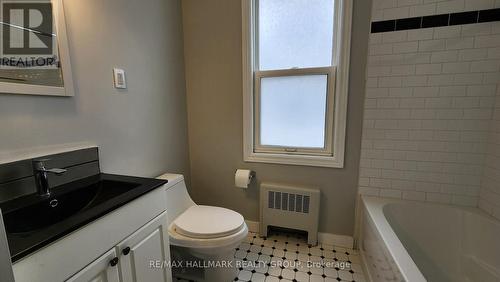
(59, 207)
(32, 222)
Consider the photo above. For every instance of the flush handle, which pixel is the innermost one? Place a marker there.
(126, 251)
(113, 262)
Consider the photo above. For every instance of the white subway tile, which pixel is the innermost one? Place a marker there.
(414, 195)
(458, 67)
(490, 78)
(438, 102)
(386, 124)
(459, 43)
(471, 5)
(364, 181)
(468, 79)
(377, 15)
(426, 91)
(428, 69)
(444, 56)
(371, 82)
(421, 135)
(375, 71)
(368, 191)
(400, 92)
(405, 165)
(380, 182)
(450, 114)
(370, 103)
(409, 124)
(441, 79)
(412, 81)
(396, 134)
(405, 47)
(387, 103)
(487, 41)
(393, 81)
(412, 103)
(420, 34)
(422, 10)
(375, 38)
(472, 54)
(395, 36)
(380, 49)
(451, 6)
(484, 114)
(431, 45)
(438, 198)
(403, 70)
(423, 114)
(476, 29)
(452, 91)
(377, 92)
(485, 66)
(396, 13)
(390, 193)
(494, 53)
(447, 31)
(416, 58)
(409, 2)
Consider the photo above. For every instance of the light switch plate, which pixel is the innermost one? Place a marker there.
(119, 78)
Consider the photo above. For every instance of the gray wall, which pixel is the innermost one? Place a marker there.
(140, 131)
(212, 47)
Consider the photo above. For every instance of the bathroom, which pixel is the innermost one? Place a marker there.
(156, 148)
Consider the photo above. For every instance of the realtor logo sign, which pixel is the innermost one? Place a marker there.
(27, 34)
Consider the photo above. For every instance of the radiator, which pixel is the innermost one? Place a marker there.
(289, 207)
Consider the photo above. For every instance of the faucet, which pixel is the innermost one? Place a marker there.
(41, 176)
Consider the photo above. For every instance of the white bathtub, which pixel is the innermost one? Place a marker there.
(416, 241)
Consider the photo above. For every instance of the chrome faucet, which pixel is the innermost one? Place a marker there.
(41, 176)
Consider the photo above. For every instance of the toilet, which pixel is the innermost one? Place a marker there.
(200, 233)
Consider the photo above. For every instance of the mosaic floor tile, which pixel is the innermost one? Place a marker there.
(284, 258)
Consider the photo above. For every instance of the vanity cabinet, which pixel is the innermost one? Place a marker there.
(137, 258)
(99, 270)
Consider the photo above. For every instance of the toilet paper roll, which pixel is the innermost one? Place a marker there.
(242, 178)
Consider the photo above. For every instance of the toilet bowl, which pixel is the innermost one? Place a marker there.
(201, 233)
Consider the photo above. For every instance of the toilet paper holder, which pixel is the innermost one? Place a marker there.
(251, 176)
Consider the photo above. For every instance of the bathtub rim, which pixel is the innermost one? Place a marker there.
(373, 206)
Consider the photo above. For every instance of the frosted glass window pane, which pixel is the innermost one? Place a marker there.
(295, 33)
(292, 111)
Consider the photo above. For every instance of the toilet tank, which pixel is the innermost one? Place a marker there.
(177, 196)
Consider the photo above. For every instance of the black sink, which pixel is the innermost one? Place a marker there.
(59, 207)
(32, 222)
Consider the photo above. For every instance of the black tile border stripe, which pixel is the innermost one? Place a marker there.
(470, 17)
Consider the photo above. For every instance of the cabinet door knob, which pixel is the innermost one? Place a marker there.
(113, 262)
(126, 251)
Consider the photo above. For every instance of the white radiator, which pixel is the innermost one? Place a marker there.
(289, 207)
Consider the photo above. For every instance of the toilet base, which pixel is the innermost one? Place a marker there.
(204, 265)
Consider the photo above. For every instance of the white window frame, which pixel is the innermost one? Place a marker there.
(338, 81)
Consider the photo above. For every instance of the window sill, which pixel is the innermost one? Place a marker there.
(302, 160)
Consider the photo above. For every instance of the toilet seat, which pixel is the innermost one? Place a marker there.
(207, 222)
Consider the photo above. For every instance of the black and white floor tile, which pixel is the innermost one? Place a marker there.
(286, 257)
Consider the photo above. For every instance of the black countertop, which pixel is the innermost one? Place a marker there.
(22, 244)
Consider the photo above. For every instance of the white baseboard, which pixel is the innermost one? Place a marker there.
(323, 238)
(343, 241)
(253, 226)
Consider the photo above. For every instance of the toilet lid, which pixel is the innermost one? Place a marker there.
(208, 222)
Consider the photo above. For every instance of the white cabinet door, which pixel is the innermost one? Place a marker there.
(103, 269)
(144, 253)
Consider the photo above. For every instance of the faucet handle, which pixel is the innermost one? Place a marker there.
(57, 171)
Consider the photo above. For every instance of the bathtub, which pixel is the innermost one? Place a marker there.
(416, 241)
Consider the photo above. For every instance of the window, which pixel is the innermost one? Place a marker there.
(295, 79)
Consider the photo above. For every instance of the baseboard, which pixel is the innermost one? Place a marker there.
(336, 240)
(253, 226)
(323, 238)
